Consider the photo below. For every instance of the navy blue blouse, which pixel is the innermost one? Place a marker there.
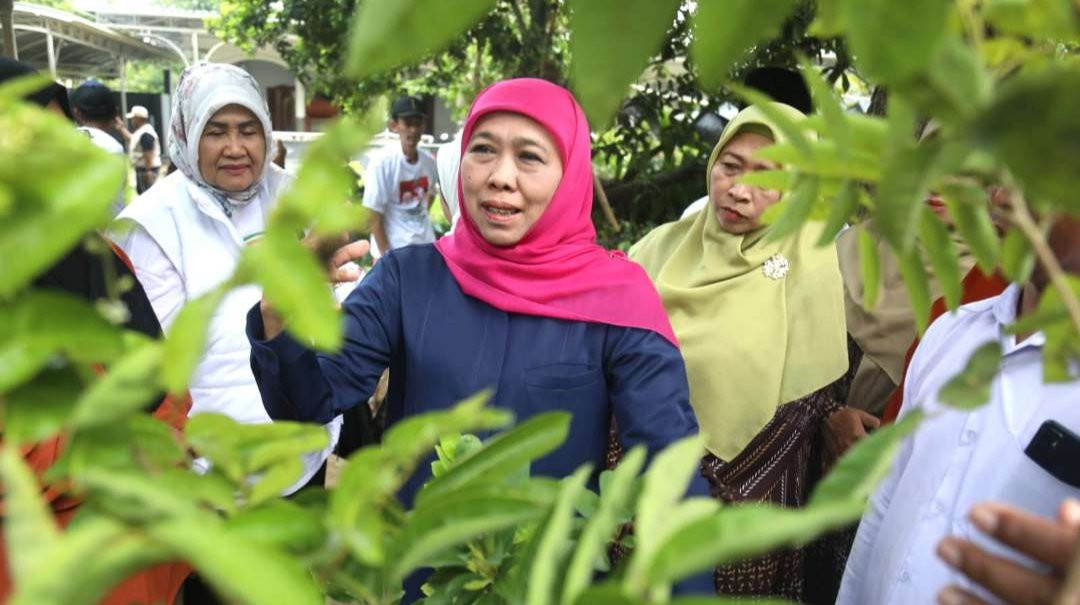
(410, 315)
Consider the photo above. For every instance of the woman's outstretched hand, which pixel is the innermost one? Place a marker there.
(337, 256)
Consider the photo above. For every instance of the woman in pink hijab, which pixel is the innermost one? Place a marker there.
(519, 299)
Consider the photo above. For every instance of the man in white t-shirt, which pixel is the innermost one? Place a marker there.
(448, 161)
(399, 185)
(96, 112)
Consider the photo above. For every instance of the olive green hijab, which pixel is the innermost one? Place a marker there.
(753, 335)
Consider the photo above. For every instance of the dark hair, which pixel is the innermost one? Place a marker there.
(782, 85)
(53, 91)
(95, 101)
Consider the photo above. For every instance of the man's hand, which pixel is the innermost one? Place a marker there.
(1049, 542)
(843, 429)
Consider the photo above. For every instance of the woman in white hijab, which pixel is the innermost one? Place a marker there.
(185, 234)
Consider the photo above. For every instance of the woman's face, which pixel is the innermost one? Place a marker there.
(509, 172)
(232, 149)
(739, 206)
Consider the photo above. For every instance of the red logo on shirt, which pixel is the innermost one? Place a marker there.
(412, 191)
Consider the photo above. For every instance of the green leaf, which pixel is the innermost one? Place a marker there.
(296, 285)
(1034, 19)
(827, 104)
(970, 388)
(555, 541)
(187, 338)
(893, 41)
(725, 30)
(796, 206)
(505, 453)
(901, 194)
(1033, 126)
(824, 159)
(42, 323)
(41, 407)
(429, 531)
(738, 532)
(917, 283)
(956, 86)
(779, 180)
(611, 42)
(55, 212)
(135, 497)
(665, 486)
(138, 442)
(859, 471)
(30, 531)
(967, 205)
(413, 437)
(608, 594)
(828, 19)
(1061, 353)
(91, 557)
(727, 601)
(841, 211)
(1017, 257)
(240, 569)
(279, 524)
(943, 256)
(387, 35)
(318, 198)
(128, 387)
(793, 130)
(869, 266)
(373, 475)
(616, 495)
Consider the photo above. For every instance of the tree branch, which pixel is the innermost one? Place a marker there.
(1021, 217)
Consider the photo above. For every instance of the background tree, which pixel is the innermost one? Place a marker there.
(651, 158)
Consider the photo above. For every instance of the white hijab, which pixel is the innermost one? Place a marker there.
(205, 88)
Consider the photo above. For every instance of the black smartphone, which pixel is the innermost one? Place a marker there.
(1057, 450)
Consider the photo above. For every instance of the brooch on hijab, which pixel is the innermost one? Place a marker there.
(775, 267)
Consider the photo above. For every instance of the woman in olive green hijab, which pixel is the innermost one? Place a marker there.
(761, 328)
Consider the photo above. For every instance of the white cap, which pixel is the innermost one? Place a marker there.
(138, 111)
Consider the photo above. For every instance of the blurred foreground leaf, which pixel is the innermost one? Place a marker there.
(385, 35)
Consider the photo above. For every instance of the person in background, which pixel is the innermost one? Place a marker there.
(399, 184)
(761, 324)
(1019, 449)
(144, 148)
(519, 299)
(96, 112)
(782, 85)
(185, 236)
(448, 162)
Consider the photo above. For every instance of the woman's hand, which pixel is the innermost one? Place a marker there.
(1046, 541)
(337, 256)
(843, 429)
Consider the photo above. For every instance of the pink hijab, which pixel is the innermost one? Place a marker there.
(556, 270)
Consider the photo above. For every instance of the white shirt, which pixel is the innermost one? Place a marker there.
(695, 207)
(135, 150)
(106, 142)
(401, 191)
(449, 162)
(957, 459)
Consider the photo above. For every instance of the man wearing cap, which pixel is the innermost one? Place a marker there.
(399, 184)
(143, 148)
(96, 112)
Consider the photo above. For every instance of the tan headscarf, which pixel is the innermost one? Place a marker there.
(884, 333)
(753, 337)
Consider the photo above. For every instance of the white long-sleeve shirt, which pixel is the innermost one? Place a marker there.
(958, 459)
